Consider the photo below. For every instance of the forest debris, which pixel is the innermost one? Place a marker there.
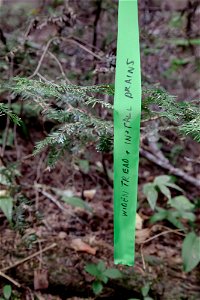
(62, 235)
(10, 279)
(79, 245)
(29, 257)
(89, 194)
(139, 222)
(40, 279)
(167, 166)
(39, 296)
(3, 193)
(142, 235)
(42, 296)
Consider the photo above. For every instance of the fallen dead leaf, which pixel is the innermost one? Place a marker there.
(40, 279)
(4, 193)
(89, 194)
(62, 235)
(142, 235)
(139, 222)
(79, 245)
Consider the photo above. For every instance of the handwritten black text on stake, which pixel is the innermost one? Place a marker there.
(125, 179)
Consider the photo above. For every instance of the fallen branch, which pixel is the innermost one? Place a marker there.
(167, 166)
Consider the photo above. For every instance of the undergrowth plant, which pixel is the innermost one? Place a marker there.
(161, 184)
(179, 212)
(101, 275)
(76, 123)
(145, 293)
(13, 203)
(7, 292)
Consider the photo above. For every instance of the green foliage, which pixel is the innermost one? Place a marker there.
(9, 140)
(176, 20)
(68, 197)
(84, 165)
(186, 42)
(185, 116)
(77, 124)
(101, 275)
(71, 108)
(7, 180)
(162, 184)
(12, 202)
(21, 204)
(175, 152)
(6, 205)
(77, 202)
(8, 174)
(192, 128)
(145, 292)
(191, 251)
(180, 208)
(97, 287)
(5, 110)
(7, 292)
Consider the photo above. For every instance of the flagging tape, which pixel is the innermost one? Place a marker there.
(127, 111)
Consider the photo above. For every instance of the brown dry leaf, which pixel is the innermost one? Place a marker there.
(89, 194)
(142, 235)
(62, 235)
(4, 193)
(79, 245)
(40, 279)
(139, 222)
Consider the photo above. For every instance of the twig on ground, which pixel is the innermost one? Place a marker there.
(26, 157)
(176, 231)
(28, 258)
(195, 161)
(39, 188)
(142, 256)
(167, 166)
(10, 279)
(53, 199)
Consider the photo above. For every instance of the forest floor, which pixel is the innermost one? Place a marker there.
(64, 238)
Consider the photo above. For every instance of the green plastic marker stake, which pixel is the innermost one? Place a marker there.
(127, 111)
